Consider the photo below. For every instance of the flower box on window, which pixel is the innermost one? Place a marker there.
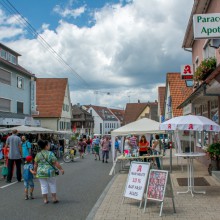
(206, 67)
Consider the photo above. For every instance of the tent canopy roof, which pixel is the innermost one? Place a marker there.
(142, 126)
(27, 129)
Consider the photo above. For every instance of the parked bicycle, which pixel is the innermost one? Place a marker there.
(69, 155)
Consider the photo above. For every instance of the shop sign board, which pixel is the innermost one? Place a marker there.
(13, 121)
(187, 71)
(136, 181)
(206, 26)
(159, 185)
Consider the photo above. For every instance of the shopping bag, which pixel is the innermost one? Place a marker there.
(4, 171)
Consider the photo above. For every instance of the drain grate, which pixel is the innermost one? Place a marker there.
(198, 181)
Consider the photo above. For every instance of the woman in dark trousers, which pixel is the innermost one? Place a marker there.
(156, 148)
(143, 146)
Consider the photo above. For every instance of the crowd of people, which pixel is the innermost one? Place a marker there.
(133, 145)
(94, 146)
(44, 165)
(140, 146)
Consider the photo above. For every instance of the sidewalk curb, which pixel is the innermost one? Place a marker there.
(100, 200)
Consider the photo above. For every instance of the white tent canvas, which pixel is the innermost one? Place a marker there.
(27, 129)
(142, 126)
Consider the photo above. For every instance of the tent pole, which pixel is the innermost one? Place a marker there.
(170, 136)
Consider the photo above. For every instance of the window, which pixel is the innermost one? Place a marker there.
(5, 77)
(65, 107)
(3, 54)
(207, 50)
(100, 128)
(5, 105)
(12, 58)
(20, 82)
(20, 107)
(60, 125)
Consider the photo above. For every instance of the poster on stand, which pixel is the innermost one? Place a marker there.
(136, 181)
(159, 185)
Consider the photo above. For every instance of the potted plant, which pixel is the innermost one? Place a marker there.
(213, 151)
(206, 67)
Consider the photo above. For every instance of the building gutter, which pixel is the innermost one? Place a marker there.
(199, 7)
(188, 50)
(209, 94)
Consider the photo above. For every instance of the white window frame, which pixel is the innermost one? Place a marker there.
(22, 80)
(207, 50)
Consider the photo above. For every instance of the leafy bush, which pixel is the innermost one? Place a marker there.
(214, 151)
(205, 68)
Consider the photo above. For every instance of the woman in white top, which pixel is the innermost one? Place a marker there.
(127, 145)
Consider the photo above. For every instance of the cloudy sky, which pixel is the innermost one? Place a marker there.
(113, 52)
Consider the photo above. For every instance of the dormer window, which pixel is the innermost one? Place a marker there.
(12, 58)
(8, 56)
(3, 54)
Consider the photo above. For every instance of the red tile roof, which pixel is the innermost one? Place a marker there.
(133, 111)
(161, 98)
(50, 94)
(104, 113)
(118, 113)
(178, 91)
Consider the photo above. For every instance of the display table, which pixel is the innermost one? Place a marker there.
(124, 159)
(190, 170)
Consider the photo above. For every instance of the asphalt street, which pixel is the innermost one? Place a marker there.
(78, 190)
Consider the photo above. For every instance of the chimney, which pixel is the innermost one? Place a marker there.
(139, 101)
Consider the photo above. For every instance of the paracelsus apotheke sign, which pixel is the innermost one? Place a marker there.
(206, 26)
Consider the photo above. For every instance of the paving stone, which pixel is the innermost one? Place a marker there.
(199, 207)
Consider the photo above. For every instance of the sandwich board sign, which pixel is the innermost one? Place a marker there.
(159, 186)
(136, 181)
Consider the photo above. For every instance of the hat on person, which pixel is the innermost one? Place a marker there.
(29, 158)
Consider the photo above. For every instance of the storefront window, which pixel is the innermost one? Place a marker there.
(202, 139)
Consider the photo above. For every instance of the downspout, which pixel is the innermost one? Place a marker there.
(187, 50)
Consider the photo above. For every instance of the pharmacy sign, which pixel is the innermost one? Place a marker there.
(206, 26)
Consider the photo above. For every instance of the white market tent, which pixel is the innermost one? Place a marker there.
(27, 129)
(139, 127)
(142, 126)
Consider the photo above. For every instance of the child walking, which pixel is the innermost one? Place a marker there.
(28, 177)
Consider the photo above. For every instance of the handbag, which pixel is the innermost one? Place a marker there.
(57, 172)
(4, 170)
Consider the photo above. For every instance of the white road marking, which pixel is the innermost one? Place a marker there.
(2, 187)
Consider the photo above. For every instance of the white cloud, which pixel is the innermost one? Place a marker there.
(68, 12)
(129, 48)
